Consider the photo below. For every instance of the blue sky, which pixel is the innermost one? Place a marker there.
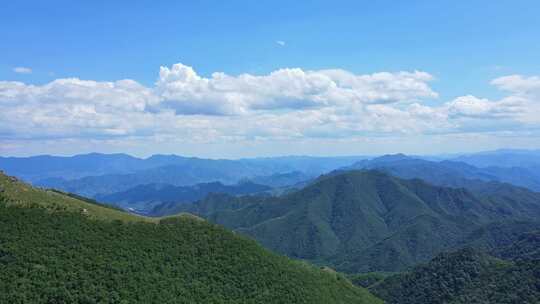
(463, 45)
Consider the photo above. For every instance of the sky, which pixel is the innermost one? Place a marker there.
(264, 78)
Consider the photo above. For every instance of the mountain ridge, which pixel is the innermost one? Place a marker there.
(58, 249)
(350, 219)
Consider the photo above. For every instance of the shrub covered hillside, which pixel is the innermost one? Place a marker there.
(463, 277)
(57, 249)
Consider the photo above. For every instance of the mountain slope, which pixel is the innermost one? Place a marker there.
(17, 193)
(465, 276)
(57, 249)
(526, 247)
(361, 221)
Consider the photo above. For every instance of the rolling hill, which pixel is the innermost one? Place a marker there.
(360, 221)
(56, 248)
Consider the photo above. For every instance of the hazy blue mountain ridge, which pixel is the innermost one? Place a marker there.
(143, 198)
(450, 173)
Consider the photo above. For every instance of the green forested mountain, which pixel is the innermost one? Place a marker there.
(58, 249)
(361, 221)
(462, 277)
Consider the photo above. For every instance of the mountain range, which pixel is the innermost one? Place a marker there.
(359, 221)
(451, 173)
(93, 174)
(144, 198)
(56, 248)
(103, 174)
(506, 158)
(411, 229)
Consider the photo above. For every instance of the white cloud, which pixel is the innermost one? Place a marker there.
(524, 90)
(281, 42)
(519, 85)
(188, 93)
(284, 105)
(22, 70)
(73, 107)
(472, 106)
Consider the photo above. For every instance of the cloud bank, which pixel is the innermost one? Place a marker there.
(286, 104)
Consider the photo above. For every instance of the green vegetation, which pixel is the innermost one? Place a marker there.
(58, 249)
(465, 276)
(85, 199)
(368, 279)
(20, 194)
(364, 221)
(527, 247)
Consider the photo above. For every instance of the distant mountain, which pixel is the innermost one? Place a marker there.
(361, 221)
(309, 165)
(191, 173)
(144, 198)
(35, 168)
(450, 173)
(282, 179)
(58, 249)
(503, 158)
(95, 173)
(465, 276)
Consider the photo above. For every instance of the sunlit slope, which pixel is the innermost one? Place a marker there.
(21, 194)
(57, 249)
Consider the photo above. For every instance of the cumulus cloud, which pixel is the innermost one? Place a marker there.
(72, 107)
(472, 106)
(518, 84)
(22, 70)
(524, 90)
(287, 104)
(188, 93)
